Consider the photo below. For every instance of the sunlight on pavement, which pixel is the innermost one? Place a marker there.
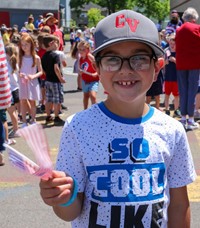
(11, 184)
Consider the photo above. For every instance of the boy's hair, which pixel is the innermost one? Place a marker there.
(84, 43)
(40, 38)
(48, 39)
(126, 25)
(46, 29)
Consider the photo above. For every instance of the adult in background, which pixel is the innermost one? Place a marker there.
(51, 21)
(38, 21)
(173, 24)
(188, 65)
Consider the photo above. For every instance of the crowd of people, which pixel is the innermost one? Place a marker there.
(121, 162)
(35, 60)
(180, 76)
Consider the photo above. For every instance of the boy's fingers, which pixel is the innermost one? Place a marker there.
(58, 195)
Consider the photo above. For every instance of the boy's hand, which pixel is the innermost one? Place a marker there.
(62, 80)
(57, 190)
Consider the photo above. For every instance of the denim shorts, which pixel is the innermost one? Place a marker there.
(88, 87)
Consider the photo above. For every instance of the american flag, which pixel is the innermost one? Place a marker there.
(5, 92)
(36, 139)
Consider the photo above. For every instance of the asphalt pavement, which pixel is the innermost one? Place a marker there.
(20, 203)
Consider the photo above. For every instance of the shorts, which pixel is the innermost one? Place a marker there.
(42, 83)
(2, 137)
(171, 87)
(91, 86)
(54, 92)
(3, 117)
(15, 97)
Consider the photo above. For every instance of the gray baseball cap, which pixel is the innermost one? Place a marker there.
(126, 25)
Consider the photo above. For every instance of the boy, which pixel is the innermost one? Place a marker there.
(129, 162)
(54, 78)
(90, 79)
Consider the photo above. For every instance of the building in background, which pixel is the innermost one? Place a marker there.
(182, 5)
(81, 19)
(17, 11)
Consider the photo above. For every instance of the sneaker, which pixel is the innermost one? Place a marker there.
(167, 112)
(13, 134)
(58, 121)
(196, 115)
(49, 120)
(177, 113)
(10, 142)
(42, 108)
(64, 107)
(184, 123)
(24, 125)
(191, 125)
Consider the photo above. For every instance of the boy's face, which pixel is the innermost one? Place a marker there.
(53, 45)
(122, 83)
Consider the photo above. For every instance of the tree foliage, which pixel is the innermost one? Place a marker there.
(153, 8)
(157, 9)
(94, 16)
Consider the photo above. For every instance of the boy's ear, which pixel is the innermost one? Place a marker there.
(160, 63)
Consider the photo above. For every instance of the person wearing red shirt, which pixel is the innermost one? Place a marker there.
(90, 78)
(188, 65)
(51, 21)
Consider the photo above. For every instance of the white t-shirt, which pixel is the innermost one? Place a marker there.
(13, 78)
(124, 166)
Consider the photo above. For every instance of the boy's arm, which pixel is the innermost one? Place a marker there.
(179, 208)
(58, 73)
(59, 190)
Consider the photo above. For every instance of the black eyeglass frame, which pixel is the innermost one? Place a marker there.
(99, 58)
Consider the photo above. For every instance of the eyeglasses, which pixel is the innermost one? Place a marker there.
(140, 62)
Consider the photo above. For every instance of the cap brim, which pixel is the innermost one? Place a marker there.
(157, 50)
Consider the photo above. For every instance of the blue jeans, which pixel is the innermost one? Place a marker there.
(188, 81)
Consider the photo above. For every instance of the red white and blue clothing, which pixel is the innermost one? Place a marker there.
(125, 167)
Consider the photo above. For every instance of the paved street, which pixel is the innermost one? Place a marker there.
(20, 202)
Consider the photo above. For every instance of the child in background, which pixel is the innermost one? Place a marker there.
(42, 78)
(156, 90)
(90, 79)
(30, 70)
(123, 163)
(13, 72)
(54, 78)
(63, 64)
(75, 55)
(2, 140)
(170, 77)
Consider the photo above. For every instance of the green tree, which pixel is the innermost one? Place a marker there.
(94, 16)
(153, 8)
(157, 9)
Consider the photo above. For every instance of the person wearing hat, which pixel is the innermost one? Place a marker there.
(123, 163)
(173, 24)
(5, 35)
(51, 21)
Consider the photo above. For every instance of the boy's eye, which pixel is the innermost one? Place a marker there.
(113, 59)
